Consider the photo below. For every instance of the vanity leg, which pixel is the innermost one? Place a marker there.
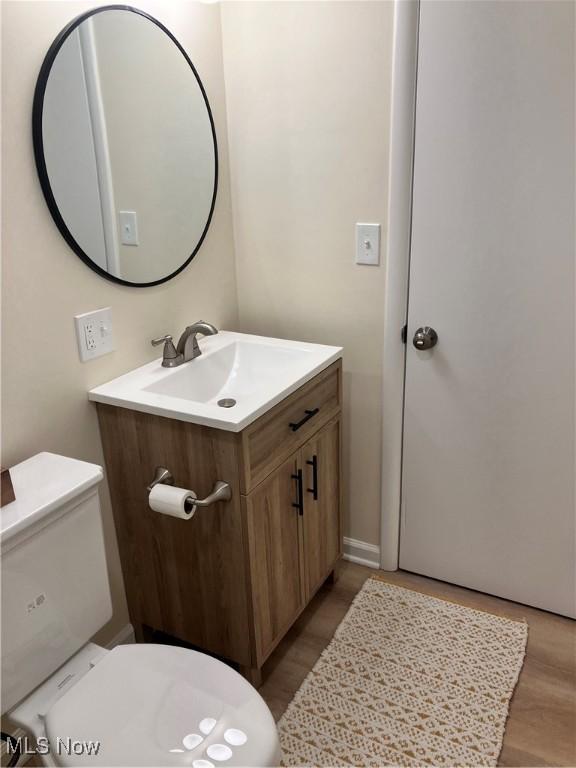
(252, 674)
(334, 575)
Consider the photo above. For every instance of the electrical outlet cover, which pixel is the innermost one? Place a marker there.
(94, 333)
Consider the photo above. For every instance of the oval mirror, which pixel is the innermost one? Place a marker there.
(125, 145)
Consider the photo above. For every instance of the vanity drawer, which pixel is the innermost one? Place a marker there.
(275, 435)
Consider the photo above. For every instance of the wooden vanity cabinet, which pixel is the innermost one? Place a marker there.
(321, 521)
(293, 533)
(234, 578)
(273, 533)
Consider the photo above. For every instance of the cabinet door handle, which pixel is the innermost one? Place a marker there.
(299, 505)
(295, 426)
(314, 464)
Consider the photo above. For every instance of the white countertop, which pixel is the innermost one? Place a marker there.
(257, 371)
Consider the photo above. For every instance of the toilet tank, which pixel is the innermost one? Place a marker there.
(55, 590)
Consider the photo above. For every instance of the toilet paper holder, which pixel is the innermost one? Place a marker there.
(220, 492)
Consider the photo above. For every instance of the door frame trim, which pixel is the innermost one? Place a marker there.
(401, 155)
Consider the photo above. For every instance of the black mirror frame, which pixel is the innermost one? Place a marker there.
(37, 138)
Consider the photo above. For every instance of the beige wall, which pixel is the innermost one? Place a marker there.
(44, 384)
(308, 93)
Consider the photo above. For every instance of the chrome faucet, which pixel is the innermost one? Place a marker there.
(187, 348)
(188, 343)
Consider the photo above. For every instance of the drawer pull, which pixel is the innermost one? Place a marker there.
(295, 426)
(314, 464)
(299, 505)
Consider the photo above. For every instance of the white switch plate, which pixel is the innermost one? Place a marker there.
(368, 244)
(94, 333)
(128, 228)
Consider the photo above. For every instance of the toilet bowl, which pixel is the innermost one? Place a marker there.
(148, 705)
(134, 705)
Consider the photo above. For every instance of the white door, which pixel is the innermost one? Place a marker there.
(488, 462)
(71, 148)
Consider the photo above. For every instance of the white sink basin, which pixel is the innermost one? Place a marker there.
(255, 371)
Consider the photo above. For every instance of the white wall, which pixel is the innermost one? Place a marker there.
(69, 150)
(159, 138)
(44, 385)
(308, 94)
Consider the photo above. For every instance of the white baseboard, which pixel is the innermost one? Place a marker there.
(125, 636)
(361, 553)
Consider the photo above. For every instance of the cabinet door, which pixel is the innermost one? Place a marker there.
(321, 521)
(273, 525)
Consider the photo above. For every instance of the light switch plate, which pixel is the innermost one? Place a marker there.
(94, 333)
(368, 244)
(128, 228)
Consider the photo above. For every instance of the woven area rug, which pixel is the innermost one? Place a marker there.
(407, 679)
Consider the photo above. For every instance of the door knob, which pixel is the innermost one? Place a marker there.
(425, 338)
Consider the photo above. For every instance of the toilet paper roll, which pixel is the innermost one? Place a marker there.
(169, 500)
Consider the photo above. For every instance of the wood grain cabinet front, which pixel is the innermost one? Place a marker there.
(232, 579)
(273, 535)
(321, 519)
(294, 536)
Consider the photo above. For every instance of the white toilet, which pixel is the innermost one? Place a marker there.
(82, 704)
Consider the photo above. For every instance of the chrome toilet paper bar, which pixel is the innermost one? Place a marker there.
(162, 475)
(220, 492)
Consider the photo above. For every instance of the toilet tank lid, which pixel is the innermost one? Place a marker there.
(42, 484)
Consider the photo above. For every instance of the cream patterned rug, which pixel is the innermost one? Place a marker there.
(409, 680)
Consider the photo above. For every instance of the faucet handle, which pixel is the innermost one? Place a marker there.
(170, 357)
(161, 340)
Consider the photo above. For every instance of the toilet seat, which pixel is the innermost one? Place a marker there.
(162, 705)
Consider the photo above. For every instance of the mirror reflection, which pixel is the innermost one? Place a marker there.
(125, 146)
